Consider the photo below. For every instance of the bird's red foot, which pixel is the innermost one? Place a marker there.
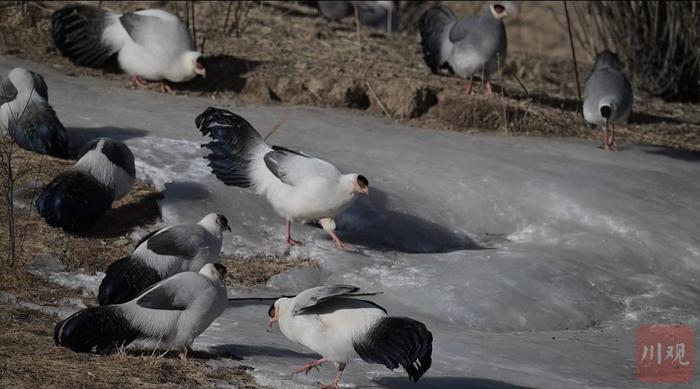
(166, 88)
(311, 365)
(138, 82)
(293, 242)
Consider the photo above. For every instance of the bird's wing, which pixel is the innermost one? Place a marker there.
(183, 240)
(314, 296)
(175, 293)
(292, 167)
(236, 149)
(463, 28)
(40, 85)
(432, 25)
(8, 92)
(157, 29)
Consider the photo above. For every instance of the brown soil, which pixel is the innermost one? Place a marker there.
(287, 54)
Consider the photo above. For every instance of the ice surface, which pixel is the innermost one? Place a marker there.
(531, 260)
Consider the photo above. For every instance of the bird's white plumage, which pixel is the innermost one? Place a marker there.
(24, 84)
(95, 163)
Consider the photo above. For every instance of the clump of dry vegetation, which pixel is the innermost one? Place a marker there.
(257, 270)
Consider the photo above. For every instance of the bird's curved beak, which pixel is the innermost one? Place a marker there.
(365, 191)
(228, 228)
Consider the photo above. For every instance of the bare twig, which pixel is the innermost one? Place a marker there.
(359, 41)
(573, 55)
(381, 105)
(275, 128)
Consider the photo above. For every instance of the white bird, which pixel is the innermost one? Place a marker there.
(161, 254)
(174, 312)
(25, 114)
(475, 45)
(150, 44)
(342, 328)
(77, 198)
(607, 97)
(299, 187)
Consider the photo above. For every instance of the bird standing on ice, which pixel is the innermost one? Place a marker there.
(151, 44)
(161, 254)
(607, 97)
(341, 328)
(77, 198)
(299, 187)
(25, 114)
(473, 46)
(173, 312)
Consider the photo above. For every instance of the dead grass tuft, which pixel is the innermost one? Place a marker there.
(253, 271)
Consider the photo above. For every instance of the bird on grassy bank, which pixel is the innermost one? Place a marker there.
(77, 198)
(472, 46)
(161, 254)
(173, 312)
(27, 117)
(607, 97)
(298, 186)
(150, 44)
(339, 328)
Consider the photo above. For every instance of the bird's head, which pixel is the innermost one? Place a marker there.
(214, 271)
(360, 184)
(193, 62)
(222, 222)
(498, 10)
(277, 309)
(606, 60)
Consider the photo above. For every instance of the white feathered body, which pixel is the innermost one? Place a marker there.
(95, 163)
(331, 334)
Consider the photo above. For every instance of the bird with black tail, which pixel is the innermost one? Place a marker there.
(340, 328)
(77, 198)
(161, 254)
(607, 97)
(25, 114)
(173, 312)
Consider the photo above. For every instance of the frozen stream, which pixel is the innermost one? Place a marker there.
(531, 260)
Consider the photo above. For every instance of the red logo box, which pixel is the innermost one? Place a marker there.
(665, 353)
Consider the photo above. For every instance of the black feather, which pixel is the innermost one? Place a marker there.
(99, 329)
(116, 151)
(40, 131)
(398, 341)
(74, 201)
(77, 33)
(432, 25)
(233, 139)
(124, 280)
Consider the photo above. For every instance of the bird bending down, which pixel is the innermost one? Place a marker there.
(25, 114)
(174, 312)
(475, 45)
(607, 97)
(77, 198)
(161, 254)
(298, 186)
(340, 328)
(150, 44)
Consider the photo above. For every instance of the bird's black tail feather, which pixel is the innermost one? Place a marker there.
(74, 201)
(398, 341)
(99, 329)
(432, 25)
(40, 131)
(77, 33)
(233, 140)
(124, 280)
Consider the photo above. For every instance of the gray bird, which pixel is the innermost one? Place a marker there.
(174, 312)
(607, 97)
(25, 114)
(339, 328)
(382, 15)
(475, 45)
(161, 254)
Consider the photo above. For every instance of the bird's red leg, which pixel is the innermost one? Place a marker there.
(611, 140)
(138, 82)
(291, 241)
(166, 88)
(307, 368)
(340, 245)
(487, 88)
(336, 381)
(470, 86)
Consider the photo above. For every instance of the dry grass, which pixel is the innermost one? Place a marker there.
(253, 271)
(28, 359)
(287, 54)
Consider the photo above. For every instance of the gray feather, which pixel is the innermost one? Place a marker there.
(314, 296)
(183, 241)
(162, 297)
(8, 92)
(40, 85)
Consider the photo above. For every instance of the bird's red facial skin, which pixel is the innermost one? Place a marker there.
(199, 69)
